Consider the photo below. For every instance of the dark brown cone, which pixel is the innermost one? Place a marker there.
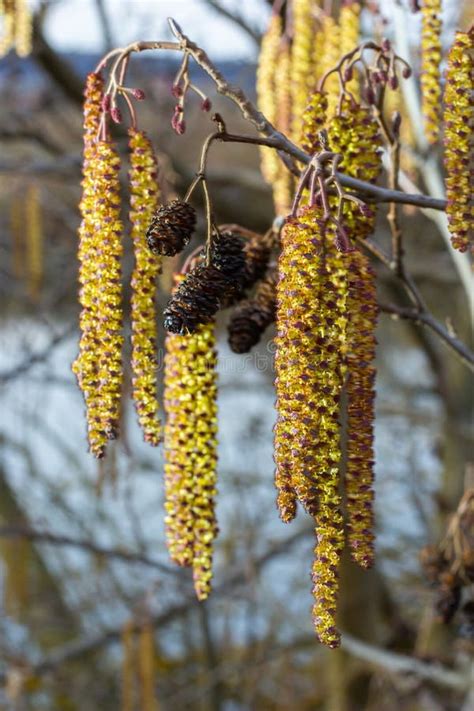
(250, 319)
(171, 228)
(257, 254)
(227, 255)
(197, 299)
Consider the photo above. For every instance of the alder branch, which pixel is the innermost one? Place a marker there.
(273, 138)
(45, 537)
(396, 663)
(425, 317)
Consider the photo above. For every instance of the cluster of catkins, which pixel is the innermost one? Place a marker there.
(321, 294)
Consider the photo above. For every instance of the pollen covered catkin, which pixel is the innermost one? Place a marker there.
(430, 67)
(310, 364)
(190, 402)
(301, 62)
(363, 311)
(458, 126)
(144, 195)
(98, 366)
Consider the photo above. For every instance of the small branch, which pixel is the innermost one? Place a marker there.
(273, 138)
(45, 537)
(425, 318)
(36, 358)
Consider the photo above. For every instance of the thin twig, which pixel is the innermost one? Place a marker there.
(425, 318)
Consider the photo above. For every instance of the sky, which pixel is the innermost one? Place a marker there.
(74, 24)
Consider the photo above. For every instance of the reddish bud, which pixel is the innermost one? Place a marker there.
(406, 72)
(139, 94)
(116, 114)
(178, 109)
(206, 105)
(106, 103)
(348, 74)
(386, 45)
(180, 127)
(176, 91)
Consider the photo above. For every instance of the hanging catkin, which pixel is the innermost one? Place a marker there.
(458, 125)
(363, 310)
(349, 22)
(330, 55)
(191, 451)
(144, 195)
(17, 27)
(146, 660)
(98, 366)
(34, 241)
(311, 332)
(430, 67)
(270, 163)
(301, 62)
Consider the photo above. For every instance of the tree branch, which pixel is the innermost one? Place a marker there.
(396, 663)
(425, 318)
(273, 138)
(48, 538)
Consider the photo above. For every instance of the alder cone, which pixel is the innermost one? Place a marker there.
(228, 256)
(171, 228)
(250, 319)
(197, 299)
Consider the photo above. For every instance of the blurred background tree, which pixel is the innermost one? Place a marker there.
(92, 613)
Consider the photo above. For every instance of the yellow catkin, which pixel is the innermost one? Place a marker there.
(363, 311)
(34, 241)
(309, 363)
(98, 366)
(302, 77)
(430, 67)
(283, 185)
(17, 236)
(146, 650)
(128, 677)
(144, 199)
(17, 27)
(355, 134)
(330, 56)
(267, 63)
(349, 22)
(458, 124)
(191, 451)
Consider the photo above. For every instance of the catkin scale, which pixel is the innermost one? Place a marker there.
(430, 67)
(458, 126)
(144, 194)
